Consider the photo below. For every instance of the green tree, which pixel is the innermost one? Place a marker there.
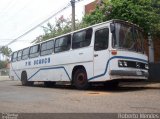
(61, 26)
(3, 64)
(5, 51)
(145, 13)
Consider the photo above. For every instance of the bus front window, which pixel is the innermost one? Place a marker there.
(127, 38)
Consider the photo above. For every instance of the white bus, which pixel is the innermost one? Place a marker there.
(105, 52)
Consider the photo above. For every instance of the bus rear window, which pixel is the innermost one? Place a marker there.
(14, 57)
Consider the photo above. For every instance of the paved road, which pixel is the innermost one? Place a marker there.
(128, 98)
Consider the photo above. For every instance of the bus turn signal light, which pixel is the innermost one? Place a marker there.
(114, 52)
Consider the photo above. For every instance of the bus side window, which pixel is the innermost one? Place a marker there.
(101, 39)
(47, 48)
(62, 44)
(34, 51)
(25, 53)
(82, 38)
(19, 55)
(14, 57)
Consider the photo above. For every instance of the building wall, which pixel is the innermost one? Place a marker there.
(157, 51)
(90, 7)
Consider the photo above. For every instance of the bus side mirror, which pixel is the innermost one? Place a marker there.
(112, 27)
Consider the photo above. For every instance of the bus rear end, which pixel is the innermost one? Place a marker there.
(127, 57)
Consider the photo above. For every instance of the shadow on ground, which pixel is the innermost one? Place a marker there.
(123, 87)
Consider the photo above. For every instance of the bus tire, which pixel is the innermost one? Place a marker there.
(80, 80)
(24, 80)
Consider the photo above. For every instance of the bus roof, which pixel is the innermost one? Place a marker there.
(110, 21)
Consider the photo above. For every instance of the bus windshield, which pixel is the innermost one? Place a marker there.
(128, 37)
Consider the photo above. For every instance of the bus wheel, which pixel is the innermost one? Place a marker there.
(24, 80)
(80, 79)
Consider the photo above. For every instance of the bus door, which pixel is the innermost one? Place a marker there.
(101, 51)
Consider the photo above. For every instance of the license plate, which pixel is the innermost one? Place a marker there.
(139, 73)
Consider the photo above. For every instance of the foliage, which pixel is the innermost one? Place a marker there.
(145, 13)
(3, 64)
(62, 26)
(5, 51)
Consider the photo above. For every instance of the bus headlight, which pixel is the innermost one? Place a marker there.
(125, 63)
(120, 63)
(146, 66)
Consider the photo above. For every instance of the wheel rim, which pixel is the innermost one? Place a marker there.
(81, 79)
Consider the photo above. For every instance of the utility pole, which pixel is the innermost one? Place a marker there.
(73, 14)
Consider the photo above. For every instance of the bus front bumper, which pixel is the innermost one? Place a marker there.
(129, 73)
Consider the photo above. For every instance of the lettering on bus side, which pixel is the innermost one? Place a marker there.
(28, 63)
(38, 61)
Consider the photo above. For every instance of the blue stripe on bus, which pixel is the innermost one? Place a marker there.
(61, 67)
(15, 73)
(115, 57)
(49, 69)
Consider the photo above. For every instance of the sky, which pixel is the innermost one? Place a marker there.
(19, 16)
